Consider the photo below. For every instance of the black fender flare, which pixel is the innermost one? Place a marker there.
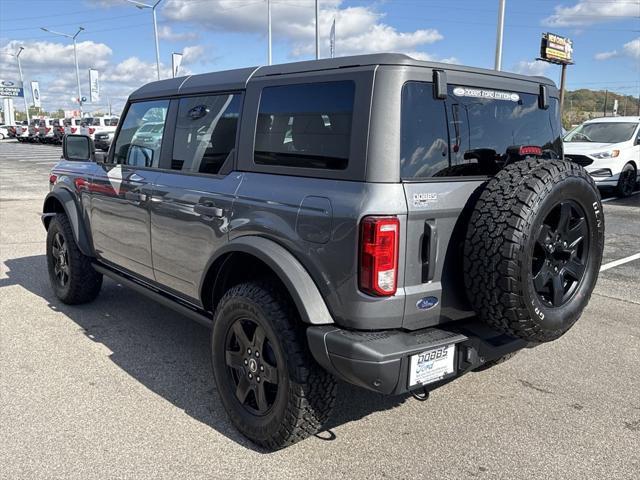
(70, 207)
(303, 290)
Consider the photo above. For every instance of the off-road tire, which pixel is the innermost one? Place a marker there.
(306, 393)
(500, 241)
(84, 282)
(627, 181)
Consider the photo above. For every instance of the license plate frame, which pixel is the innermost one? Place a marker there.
(432, 365)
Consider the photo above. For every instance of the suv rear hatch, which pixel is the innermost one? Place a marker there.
(449, 148)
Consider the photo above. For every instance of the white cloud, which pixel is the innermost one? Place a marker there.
(193, 54)
(629, 49)
(606, 55)
(589, 12)
(535, 67)
(358, 29)
(165, 32)
(632, 48)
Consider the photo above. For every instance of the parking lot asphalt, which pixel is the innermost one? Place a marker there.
(122, 387)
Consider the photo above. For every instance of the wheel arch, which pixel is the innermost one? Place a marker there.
(61, 201)
(263, 256)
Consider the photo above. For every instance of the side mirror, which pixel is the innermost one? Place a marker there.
(77, 148)
(637, 141)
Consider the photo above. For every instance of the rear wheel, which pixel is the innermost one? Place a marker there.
(627, 181)
(533, 248)
(272, 389)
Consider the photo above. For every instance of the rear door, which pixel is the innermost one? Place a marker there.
(193, 196)
(121, 193)
(449, 148)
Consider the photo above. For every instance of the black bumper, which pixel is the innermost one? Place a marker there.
(379, 360)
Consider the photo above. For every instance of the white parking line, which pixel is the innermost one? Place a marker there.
(615, 263)
(618, 198)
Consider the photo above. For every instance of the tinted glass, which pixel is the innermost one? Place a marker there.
(605, 132)
(480, 130)
(140, 136)
(205, 132)
(306, 125)
(424, 137)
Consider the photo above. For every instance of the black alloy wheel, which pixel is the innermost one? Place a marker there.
(252, 366)
(560, 254)
(627, 181)
(60, 254)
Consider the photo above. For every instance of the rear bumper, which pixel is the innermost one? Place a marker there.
(379, 361)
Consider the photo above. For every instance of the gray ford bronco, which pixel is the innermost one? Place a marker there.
(383, 221)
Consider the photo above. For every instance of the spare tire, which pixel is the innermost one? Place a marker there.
(533, 248)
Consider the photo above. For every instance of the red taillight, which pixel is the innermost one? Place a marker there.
(47, 129)
(73, 129)
(530, 150)
(52, 178)
(379, 239)
(91, 130)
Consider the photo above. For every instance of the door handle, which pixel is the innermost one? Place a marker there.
(208, 210)
(135, 197)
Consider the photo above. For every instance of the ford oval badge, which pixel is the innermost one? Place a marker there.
(426, 303)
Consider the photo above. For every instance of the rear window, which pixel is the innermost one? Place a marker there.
(306, 125)
(469, 133)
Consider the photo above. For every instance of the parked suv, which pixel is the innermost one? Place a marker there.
(94, 125)
(609, 149)
(394, 234)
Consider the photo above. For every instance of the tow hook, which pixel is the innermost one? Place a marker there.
(421, 394)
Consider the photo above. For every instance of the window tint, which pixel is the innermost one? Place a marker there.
(111, 122)
(480, 130)
(205, 132)
(307, 125)
(140, 136)
(425, 143)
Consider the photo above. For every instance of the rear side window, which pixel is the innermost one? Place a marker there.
(205, 132)
(140, 137)
(306, 125)
(470, 133)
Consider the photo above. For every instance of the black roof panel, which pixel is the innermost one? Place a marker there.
(237, 79)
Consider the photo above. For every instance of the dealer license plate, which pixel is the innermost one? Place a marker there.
(431, 365)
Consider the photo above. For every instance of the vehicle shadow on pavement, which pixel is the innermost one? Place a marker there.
(168, 353)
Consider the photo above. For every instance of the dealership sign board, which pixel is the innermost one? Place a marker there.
(9, 88)
(556, 49)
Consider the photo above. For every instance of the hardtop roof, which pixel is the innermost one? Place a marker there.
(237, 79)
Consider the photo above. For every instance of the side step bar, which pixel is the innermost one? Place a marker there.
(159, 296)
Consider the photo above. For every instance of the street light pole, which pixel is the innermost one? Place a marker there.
(24, 89)
(317, 31)
(498, 64)
(142, 6)
(75, 56)
(269, 31)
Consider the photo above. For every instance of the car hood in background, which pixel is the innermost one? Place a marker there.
(588, 148)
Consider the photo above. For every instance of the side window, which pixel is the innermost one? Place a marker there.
(205, 132)
(140, 137)
(306, 125)
(424, 145)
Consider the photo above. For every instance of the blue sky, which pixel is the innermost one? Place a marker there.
(222, 34)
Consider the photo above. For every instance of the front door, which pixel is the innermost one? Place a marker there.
(193, 200)
(121, 191)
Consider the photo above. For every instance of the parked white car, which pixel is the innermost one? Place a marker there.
(93, 125)
(72, 126)
(46, 130)
(609, 149)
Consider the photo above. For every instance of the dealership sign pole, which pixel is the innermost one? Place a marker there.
(558, 50)
(24, 97)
